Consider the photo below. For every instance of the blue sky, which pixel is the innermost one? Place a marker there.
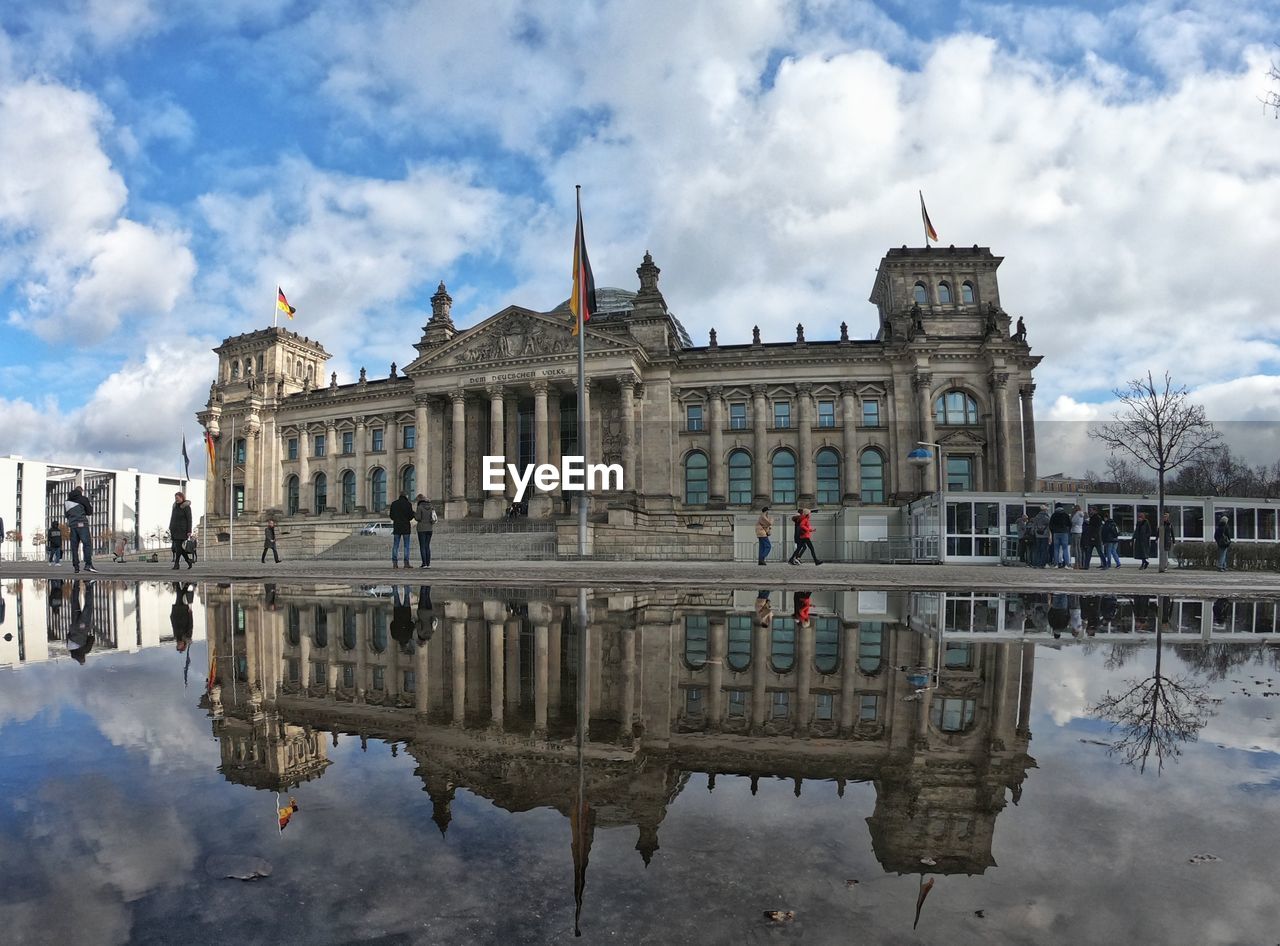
(164, 166)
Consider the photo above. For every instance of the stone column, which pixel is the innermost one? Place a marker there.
(715, 400)
(458, 644)
(1027, 392)
(496, 657)
(627, 384)
(421, 455)
(422, 672)
(1025, 681)
(334, 500)
(849, 419)
(760, 445)
(457, 505)
(539, 502)
(923, 384)
(495, 504)
(512, 640)
(999, 385)
(717, 648)
(759, 675)
(804, 677)
(848, 677)
(306, 495)
(806, 475)
(540, 679)
(363, 499)
(553, 667)
(362, 653)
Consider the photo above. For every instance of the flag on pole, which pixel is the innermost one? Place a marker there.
(209, 452)
(186, 460)
(283, 304)
(929, 232)
(583, 301)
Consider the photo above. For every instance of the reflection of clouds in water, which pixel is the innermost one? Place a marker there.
(91, 849)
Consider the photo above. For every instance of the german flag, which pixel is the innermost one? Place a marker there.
(929, 232)
(283, 304)
(210, 453)
(583, 301)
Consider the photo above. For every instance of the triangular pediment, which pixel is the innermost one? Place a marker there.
(962, 438)
(511, 337)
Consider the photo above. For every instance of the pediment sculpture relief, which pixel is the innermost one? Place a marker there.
(517, 337)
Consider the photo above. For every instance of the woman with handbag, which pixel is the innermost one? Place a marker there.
(180, 529)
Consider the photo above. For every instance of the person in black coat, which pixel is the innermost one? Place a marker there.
(180, 528)
(181, 621)
(401, 526)
(1142, 540)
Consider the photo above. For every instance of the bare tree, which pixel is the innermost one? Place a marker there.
(1126, 475)
(1155, 715)
(1161, 429)
(1271, 101)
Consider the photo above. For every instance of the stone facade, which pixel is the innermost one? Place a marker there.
(696, 428)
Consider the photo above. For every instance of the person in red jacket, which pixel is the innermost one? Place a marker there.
(804, 537)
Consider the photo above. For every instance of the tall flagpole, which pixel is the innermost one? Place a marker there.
(582, 386)
(275, 309)
(231, 499)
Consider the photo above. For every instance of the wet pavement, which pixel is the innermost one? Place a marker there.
(322, 762)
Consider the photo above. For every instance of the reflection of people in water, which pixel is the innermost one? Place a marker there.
(402, 618)
(1059, 615)
(80, 637)
(764, 609)
(801, 607)
(285, 814)
(425, 625)
(180, 619)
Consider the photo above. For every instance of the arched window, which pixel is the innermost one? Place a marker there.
(921, 294)
(322, 493)
(297, 368)
(871, 472)
(952, 715)
(826, 644)
(348, 629)
(293, 625)
(378, 495)
(378, 639)
(782, 645)
(348, 491)
(235, 370)
(291, 496)
(695, 478)
(740, 477)
(739, 655)
(409, 481)
(695, 641)
(967, 295)
(828, 475)
(870, 647)
(321, 633)
(955, 407)
(248, 367)
(944, 292)
(784, 477)
(311, 370)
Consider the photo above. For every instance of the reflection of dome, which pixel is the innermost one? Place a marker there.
(614, 305)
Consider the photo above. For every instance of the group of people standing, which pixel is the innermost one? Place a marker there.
(1070, 539)
(802, 534)
(403, 515)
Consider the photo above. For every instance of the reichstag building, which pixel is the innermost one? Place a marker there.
(706, 433)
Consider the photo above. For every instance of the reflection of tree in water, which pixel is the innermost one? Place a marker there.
(1154, 715)
(1215, 661)
(1121, 652)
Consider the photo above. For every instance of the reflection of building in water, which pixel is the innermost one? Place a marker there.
(37, 614)
(483, 694)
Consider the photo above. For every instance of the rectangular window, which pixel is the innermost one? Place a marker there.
(693, 417)
(870, 413)
(348, 443)
(293, 448)
(318, 440)
(410, 682)
(379, 678)
(317, 673)
(242, 451)
(378, 435)
(239, 500)
(781, 701)
(408, 436)
(693, 701)
(781, 413)
(823, 706)
(349, 676)
(826, 413)
(568, 427)
(737, 704)
(869, 710)
(960, 473)
(294, 666)
(738, 416)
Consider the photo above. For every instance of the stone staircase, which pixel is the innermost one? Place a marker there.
(461, 540)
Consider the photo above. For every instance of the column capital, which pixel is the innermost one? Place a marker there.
(423, 400)
(759, 390)
(494, 391)
(539, 386)
(922, 380)
(458, 396)
(715, 392)
(330, 424)
(803, 388)
(1027, 391)
(999, 379)
(848, 387)
(626, 380)
(360, 420)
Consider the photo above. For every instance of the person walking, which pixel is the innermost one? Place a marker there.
(1142, 540)
(764, 527)
(54, 544)
(269, 542)
(1110, 542)
(804, 537)
(1166, 536)
(1092, 538)
(78, 510)
(1023, 526)
(180, 529)
(425, 513)
(1060, 529)
(401, 519)
(1222, 539)
(1077, 535)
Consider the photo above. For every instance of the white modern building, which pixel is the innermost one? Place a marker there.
(126, 503)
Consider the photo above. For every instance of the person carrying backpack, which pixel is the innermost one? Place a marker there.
(1222, 538)
(425, 513)
(78, 510)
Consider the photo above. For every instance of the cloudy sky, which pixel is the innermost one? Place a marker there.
(164, 165)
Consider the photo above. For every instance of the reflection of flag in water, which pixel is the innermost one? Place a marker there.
(212, 680)
(286, 813)
(582, 823)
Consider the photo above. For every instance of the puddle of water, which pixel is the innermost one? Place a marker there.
(418, 764)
